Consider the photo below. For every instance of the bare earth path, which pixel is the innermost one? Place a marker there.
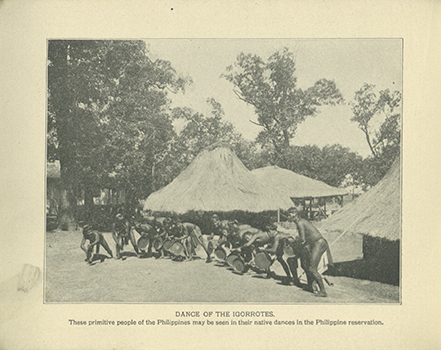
(148, 280)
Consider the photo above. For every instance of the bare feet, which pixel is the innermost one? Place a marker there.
(286, 281)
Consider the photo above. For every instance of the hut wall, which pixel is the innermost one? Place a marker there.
(382, 258)
(380, 262)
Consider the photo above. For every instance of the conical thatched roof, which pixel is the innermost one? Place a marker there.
(295, 185)
(376, 213)
(216, 180)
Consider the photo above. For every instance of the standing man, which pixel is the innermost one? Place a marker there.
(122, 233)
(95, 240)
(312, 239)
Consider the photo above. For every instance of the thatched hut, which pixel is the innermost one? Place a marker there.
(376, 215)
(216, 181)
(299, 187)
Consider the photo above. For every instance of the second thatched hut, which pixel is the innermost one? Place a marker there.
(216, 181)
(312, 194)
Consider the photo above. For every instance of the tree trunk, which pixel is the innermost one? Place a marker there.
(368, 139)
(88, 202)
(68, 201)
(66, 218)
(285, 139)
(153, 178)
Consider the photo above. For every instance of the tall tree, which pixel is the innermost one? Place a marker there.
(105, 99)
(271, 88)
(200, 131)
(383, 141)
(330, 164)
(367, 107)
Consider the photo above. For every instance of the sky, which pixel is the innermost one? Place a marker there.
(349, 62)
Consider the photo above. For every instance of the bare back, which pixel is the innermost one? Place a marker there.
(308, 232)
(191, 228)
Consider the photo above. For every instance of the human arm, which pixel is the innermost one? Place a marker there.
(163, 234)
(184, 232)
(301, 229)
(95, 240)
(282, 229)
(273, 249)
(128, 228)
(250, 242)
(221, 241)
(115, 236)
(83, 244)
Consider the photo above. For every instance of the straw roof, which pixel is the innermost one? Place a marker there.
(295, 185)
(216, 180)
(376, 213)
(53, 170)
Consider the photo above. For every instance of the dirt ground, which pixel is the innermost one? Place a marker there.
(69, 279)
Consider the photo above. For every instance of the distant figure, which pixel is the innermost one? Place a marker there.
(312, 239)
(95, 240)
(122, 233)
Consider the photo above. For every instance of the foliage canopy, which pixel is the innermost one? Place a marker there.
(271, 88)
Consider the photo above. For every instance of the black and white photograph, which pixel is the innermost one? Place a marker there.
(223, 170)
(195, 174)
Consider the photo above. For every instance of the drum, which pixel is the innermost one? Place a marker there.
(239, 265)
(288, 250)
(143, 228)
(220, 253)
(158, 243)
(143, 241)
(210, 247)
(231, 257)
(177, 248)
(262, 260)
(291, 247)
(167, 245)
